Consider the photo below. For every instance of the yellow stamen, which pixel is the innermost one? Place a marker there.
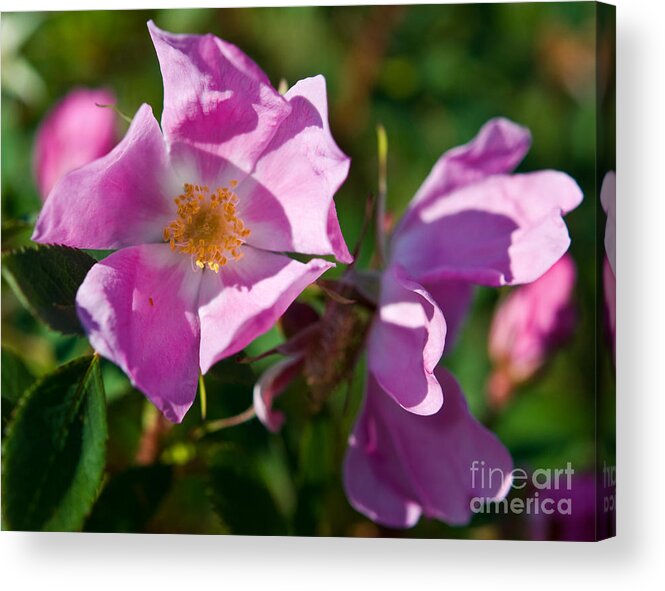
(207, 226)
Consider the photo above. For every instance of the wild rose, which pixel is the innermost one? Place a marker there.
(528, 326)
(471, 222)
(200, 212)
(75, 132)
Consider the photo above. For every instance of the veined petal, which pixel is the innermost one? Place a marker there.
(405, 344)
(120, 200)
(399, 465)
(74, 133)
(503, 230)
(216, 98)
(269, 386)
(138, 307)
(247, 297)
(289, 196)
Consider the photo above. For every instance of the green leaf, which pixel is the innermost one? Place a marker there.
(46, 279)
(15, 233)
(242, 500)
(16, 378)
(130, 499)
(53, 455)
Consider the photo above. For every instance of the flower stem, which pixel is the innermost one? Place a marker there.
(382, 152)
(203, 396)
(118, 112)
(224, 423)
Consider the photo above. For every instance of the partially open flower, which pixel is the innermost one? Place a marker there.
(528, 326)
(201, 211)
(75, 132)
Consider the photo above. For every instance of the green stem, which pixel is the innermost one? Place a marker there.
(382, 151)
(204, 397)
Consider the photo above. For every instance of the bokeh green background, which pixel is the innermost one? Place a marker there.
(432, 75)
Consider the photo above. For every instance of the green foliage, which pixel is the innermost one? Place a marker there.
(53, 456)
(46, 279)
(16, 378)
(130, 499)
(242, 500)
(15, 233)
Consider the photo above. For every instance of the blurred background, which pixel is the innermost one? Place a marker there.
(432, 75)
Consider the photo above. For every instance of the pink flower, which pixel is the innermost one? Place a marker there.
(528, 326)
(471, 222)
(75, 132)
(200, 212)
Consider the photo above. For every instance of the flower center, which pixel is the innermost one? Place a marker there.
(207, 226)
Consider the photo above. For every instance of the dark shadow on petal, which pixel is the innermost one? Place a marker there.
(468, 243)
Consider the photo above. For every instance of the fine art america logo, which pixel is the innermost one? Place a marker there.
(552, 490)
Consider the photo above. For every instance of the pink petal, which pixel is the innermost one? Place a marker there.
(533, 320)
(215, 98)
(120, 200)
(502, 230)
(405, 344)
(608, 199)
(289, 203)
(454, 299)
(246, 298)
(138, 307)
(74, 133)
(497, 149)
(270, 385)
(399, 465)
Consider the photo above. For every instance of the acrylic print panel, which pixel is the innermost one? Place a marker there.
(317, 271)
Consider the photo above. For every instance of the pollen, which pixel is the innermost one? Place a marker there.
(207, 227)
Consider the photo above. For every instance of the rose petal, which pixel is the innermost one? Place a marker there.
(454, 299)
(138, 307)
(497, 149)
(122, 199)
(502, 230)
(247, 297)
(405, 344)
(215, 98)
(399, 465)
(74, 133)
(288, 200)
